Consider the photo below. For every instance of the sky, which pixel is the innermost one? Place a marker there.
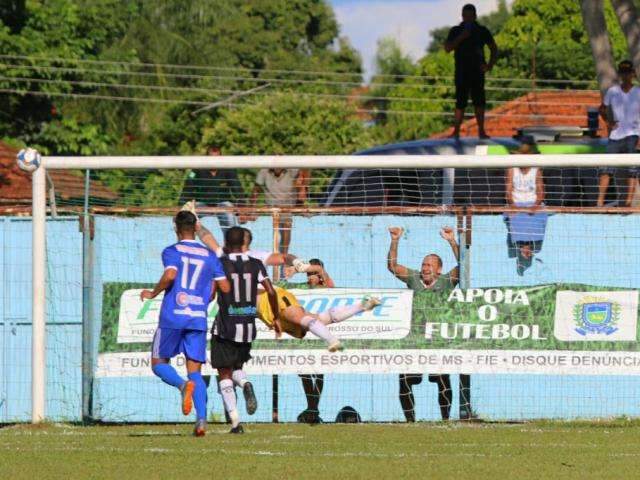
(364, 22)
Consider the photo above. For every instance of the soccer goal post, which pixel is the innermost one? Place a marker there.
(444, 338)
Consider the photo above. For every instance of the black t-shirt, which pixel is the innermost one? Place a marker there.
(236, 319)
(205, 187)
(469, 55)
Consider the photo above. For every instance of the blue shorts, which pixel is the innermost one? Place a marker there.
(169, 342)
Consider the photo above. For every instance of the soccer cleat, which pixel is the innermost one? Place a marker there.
(200, 428)
(369, 302)
(310, 417)
(187, 396)
(469, 415)
(237, 429)
(250, 398)
(335, 346)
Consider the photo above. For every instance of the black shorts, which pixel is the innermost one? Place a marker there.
(623, 145)
(228, 354)
(470, 83)
(411, 379)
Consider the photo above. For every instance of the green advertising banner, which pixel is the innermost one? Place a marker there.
(551, 329)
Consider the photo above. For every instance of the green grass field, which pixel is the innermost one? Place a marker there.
(537, 450)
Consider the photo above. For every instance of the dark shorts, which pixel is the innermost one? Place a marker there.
(623, 145)
(411, 379)
(470, 83)
(228, 354)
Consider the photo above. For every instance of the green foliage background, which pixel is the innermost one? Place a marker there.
(43, 41)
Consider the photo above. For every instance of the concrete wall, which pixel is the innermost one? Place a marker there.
(593, 249)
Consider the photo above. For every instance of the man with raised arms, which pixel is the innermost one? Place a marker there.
(429, 278)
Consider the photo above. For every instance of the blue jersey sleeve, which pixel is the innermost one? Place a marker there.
(218, 270)
(170, 258)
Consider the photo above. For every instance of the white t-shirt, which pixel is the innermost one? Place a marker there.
(261, 255)
(278, 191)
(626, 111)
(524, 186)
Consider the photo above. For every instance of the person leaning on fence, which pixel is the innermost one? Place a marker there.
(620, 109)
(282, 188)
(468, 40)
(429, 278)
(215, 188)
(524, 187)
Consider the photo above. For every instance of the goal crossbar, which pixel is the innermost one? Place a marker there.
(344, 161)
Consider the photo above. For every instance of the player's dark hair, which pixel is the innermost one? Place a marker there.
(316, 261)
(470, 7)
(530, 142)
(248, 234)
(234, 238)
(185, 222)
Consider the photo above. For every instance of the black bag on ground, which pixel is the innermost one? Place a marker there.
(348, 415)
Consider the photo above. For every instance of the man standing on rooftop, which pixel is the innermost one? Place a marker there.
(468, 40)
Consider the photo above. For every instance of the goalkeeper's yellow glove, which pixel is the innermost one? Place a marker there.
(190, 206)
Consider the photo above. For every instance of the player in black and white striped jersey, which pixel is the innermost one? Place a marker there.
(234, 328)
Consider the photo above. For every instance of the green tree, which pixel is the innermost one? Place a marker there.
(538, 39)
(232, 42)
(547, 39)
(287, 124)
(13, 14)
(271, 34)
(392, 68)
(240, 39)
(391, 60)
(68, 137)
(418, 106)
(55, 28)
(283, 123)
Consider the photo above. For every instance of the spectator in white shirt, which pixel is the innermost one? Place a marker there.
(621, 110)
(524, 187)
(281, 188)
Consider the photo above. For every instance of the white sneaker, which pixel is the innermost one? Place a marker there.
(369, 302)
(335, 346)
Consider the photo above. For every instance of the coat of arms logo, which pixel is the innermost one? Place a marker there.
(594, 315)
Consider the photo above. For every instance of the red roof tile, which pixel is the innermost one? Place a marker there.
(15, 184)
(553, 108)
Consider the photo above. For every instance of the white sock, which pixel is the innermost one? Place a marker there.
(229, 399)
(234, 416)
(318, 328)
(340, 314)
(239, 378)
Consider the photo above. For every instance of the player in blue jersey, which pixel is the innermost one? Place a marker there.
(190, 270)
